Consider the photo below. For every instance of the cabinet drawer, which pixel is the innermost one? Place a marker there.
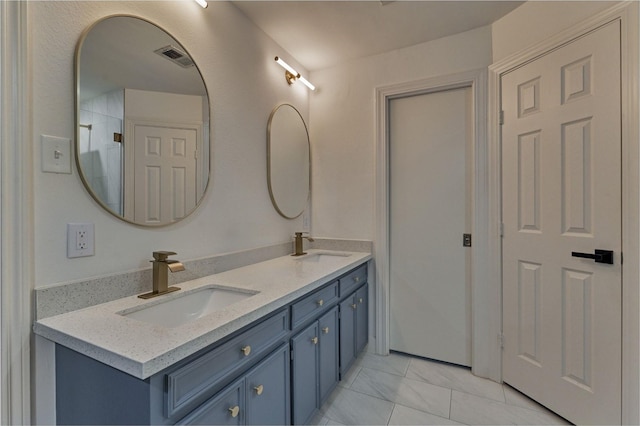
(352, 280)
(223, 409)
(313, 304)
(192, 383)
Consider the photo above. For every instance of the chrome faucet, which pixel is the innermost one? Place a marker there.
(298, 243)
(162, 265)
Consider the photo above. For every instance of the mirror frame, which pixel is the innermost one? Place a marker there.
(306, 131)
(76, 75)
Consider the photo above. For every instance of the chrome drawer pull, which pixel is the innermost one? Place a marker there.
(325, 330)
(246, 350)
(259, 389)
(234, 411)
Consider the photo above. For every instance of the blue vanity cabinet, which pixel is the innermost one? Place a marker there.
(226, 408)
(268, 390)
(277, 370)
(362, 318)
(260, 397)
(354, 322)
(304, 373)
(328, 357)
(347, 333)
(196, 390)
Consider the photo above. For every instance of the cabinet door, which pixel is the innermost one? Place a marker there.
(328, 359)
(225, 408)
(362, 318)
(267, 390)
(304, 370)
(347, 333)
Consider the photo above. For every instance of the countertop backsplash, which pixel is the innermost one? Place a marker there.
(66, 297)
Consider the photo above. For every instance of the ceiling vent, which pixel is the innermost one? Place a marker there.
(175, 55)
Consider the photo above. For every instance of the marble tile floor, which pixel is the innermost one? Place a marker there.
(404, 390)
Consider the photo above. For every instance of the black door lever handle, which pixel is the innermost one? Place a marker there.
(600, 256)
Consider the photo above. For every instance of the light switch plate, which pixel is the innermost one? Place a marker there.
(56, 154)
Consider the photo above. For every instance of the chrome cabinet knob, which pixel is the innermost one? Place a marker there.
(354, 306)
(360, 300)
(259, 389)
(325, 330)
(246, 350)
(314, 340)
(320, 302)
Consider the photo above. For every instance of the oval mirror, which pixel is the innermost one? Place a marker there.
(288, 161)
(142, 122)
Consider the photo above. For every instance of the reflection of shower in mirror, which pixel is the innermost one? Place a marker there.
(100, 155)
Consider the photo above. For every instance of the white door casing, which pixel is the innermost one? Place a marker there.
(430, 190)
(484, 348)
(561, 193)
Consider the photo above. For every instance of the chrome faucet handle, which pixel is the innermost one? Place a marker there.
(162, 256)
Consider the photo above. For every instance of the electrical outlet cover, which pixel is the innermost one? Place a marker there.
(80, 240)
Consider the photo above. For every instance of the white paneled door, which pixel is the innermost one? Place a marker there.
(561, 188)
(165, 173)
(429, 168)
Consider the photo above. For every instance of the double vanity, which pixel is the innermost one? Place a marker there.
(260, 344)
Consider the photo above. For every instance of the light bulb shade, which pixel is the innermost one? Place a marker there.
(286, 66)
(307, 83)
(202, 3)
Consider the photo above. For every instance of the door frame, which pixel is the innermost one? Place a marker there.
(16, 213)
(628, 15)
(481, 347)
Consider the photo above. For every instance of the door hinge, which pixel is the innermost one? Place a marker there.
(501, 230)
(501, 119)
(466, 240)
(501, 340)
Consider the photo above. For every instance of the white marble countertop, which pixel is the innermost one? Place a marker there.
(142, 349)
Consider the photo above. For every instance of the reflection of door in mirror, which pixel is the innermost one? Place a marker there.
(129, 70)
(164, 171)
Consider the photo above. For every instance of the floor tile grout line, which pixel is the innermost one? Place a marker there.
(449, 388)
(397, 403)
(391, 414)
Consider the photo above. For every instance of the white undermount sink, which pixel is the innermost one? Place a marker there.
(322, 256)
(188, 308)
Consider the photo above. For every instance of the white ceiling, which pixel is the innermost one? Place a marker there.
(320, 34)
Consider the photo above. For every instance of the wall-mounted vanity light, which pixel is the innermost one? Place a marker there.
(202, 3)
(292, 75)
